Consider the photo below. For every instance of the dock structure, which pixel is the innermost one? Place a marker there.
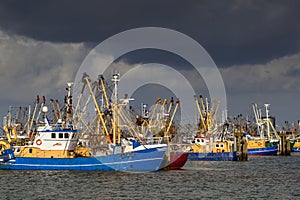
(241, 144)
(285, 146)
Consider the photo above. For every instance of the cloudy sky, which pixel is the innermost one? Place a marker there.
(255, 45)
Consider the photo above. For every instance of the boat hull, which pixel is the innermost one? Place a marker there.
(138, 161)
(177, 160)
(221, 156)
(265, 151)
(296, 145)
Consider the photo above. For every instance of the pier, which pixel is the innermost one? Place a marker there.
(284, 145)
(241, 144)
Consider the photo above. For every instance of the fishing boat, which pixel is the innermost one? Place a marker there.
(57, 147)
(212, 142)
(178, 160)
(296, 146)
(206, 150)
(264, 142)
(157, 127)
(291, 131)
(259, 147)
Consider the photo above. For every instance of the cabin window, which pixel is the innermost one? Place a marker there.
(221, 145)
(217, 145)
(66, 135)
(53, 135)
(30, 150)
(202, 140)
(61, 135)
(198, 140)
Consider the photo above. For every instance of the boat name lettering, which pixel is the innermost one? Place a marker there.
(127, 155)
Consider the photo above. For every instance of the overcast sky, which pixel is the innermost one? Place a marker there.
(255, 44)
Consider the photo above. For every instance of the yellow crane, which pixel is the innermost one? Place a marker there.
(207, 114)
(86, 79)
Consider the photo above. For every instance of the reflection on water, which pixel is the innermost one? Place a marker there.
(259, 178)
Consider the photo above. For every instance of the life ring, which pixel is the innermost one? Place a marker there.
(38, 142)
(259, 144)
(218, 151)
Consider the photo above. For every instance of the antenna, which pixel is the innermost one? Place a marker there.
(116, 80)
(268, 122)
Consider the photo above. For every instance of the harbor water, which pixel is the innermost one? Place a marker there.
(273, 177)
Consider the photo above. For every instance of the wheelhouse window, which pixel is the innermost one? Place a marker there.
(53, 135)
(61, 135)
(17, 149)
(66, 135)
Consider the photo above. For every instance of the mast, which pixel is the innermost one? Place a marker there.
(101, 80)
(42, 105)
(158, 101)
(28, 120)
(115, 80)
(80, 97)
(173, 115)
(58, 109)
(200, 112)
(156, 123)
(53, 109)
(34, 111)
(69, 103)
(86, 78)
(171, 105)
(267, 116)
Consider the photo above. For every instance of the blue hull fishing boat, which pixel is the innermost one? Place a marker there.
(57, 146)
(142, 160)
(203, 150)
(222, 156)
(211, 142)
(265, 151)
(266, 141)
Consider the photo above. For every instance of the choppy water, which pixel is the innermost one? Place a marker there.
(259, 178)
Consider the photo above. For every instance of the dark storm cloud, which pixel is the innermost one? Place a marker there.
(255, 44)
(233, 32)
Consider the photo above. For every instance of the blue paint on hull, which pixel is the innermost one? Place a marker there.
(222, 156)
(296, 149)
(267, 151)
(143, 160)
